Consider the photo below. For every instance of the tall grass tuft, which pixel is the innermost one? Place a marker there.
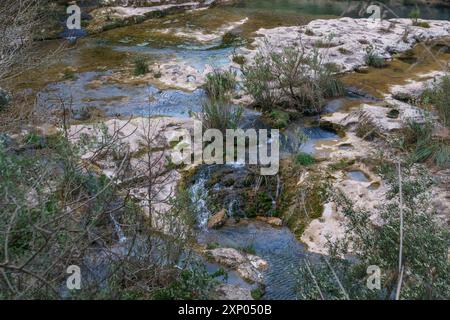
(221, 115)
(140, 66)
(220, 85)
(423, 146)
(439, 97)
(372, 59)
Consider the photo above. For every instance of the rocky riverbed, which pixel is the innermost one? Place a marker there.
(256, 230)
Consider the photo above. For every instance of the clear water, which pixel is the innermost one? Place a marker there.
(357, 175)
(122, 99)
(291, 143)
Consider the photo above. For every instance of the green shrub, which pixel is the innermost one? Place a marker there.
(191, 284)
(257, 82)
(220, 84)
(5, 99)
(415, 15)
(230, 39)
(140, 66)
(278, 119)
(424, 256)
(304, 159)
(291, 78)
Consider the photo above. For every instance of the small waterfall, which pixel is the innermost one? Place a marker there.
(118, 229)
(199, 195)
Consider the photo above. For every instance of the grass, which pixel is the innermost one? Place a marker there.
(250, 249)
(439, 97)
(220, 84)
(140, 66)
(367, 129)
(278, 119)
(418, 139)
(374, 60)
(218, 114)
(304, 159)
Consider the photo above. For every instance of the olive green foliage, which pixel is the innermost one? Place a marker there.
(438, 96)
(291, 78)
(418, 140)
(220, 84)
(426, 270)
(217, 110)
(55, 213)
(304, 159)
(277, 118)
(218, 114)
(194, 283)
(140, 66)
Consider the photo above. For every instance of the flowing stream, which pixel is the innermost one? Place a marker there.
(277, 245)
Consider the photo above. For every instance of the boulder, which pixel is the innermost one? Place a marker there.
(217, 220)
(248, 266)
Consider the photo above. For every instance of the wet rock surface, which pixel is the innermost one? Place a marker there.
(247, 265)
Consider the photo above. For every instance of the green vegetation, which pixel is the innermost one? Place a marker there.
(52, 208)
(257, 293)
(5, 99)
(374, 60)
(217, 114)
(277, 118)
(220, 85)
(140, 66)
(439, 97)
(231, 39)
(191, 284)
(426, 271)
(304, 159)
(418, 140)
(239, 59)
(291, 79)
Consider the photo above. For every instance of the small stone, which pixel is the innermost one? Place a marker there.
(273, 221)
(217, 220)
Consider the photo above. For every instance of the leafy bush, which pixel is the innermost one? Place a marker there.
(5, 99)
(291, 78)
(220, 84)
(278, 119)
(230, 38)
(258, 80)
(304, 159)
(194, 283)
(425, 249)
(239, 59)
(257, 293)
